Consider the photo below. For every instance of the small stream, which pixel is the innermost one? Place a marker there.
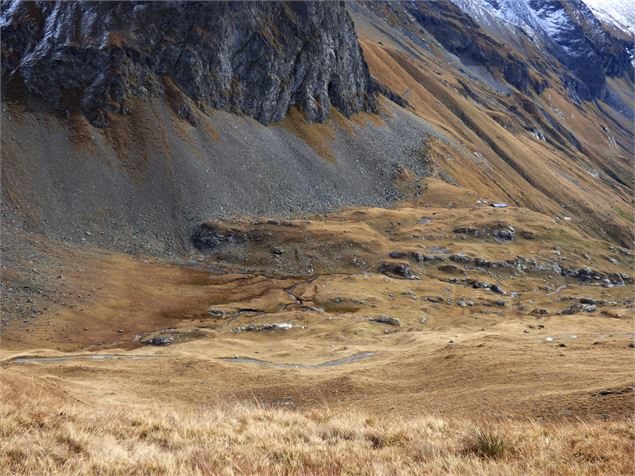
(55, 360)
(330, 363)
(238, 360)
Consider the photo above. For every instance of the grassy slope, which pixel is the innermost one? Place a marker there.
(416, 405)
(552, 177)
(45, 433)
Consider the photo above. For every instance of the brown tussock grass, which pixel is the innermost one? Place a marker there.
(43, 431)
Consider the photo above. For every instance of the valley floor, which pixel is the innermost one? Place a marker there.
(369, 341)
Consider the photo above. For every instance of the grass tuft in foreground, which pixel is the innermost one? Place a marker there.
(43, 432)
(487, 443)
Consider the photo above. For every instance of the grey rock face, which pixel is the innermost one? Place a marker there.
(254, 58)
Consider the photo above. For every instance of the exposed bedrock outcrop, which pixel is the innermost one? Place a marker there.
(254, 58)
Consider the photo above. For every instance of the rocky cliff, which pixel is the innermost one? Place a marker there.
(254, 58)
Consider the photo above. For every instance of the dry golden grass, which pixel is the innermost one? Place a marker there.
(43, 432)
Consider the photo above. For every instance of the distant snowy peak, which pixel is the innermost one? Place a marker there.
(551, 17)
(566, 29)
(618, 13)
(517, 13)
(546, 18)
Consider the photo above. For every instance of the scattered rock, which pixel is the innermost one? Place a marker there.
(480, 285)
(460, 258)
(615, 391)
(562, 344)
(528, 235)
(587, 301)
(281, 326)
(506, 234)
(316, 309)
(540, 312)
(587, 275)
(578, 308)
(391, 321)
(345, 301)
(410, 294)
(419, 258)
(497, 289)
(466, 230)
(612, 315)
(159, 340)
(400, 270)
(482, 263)
(216, 313)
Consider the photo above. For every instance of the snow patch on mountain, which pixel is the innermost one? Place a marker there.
(538, 18)
(619, 13)
(566, 29)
